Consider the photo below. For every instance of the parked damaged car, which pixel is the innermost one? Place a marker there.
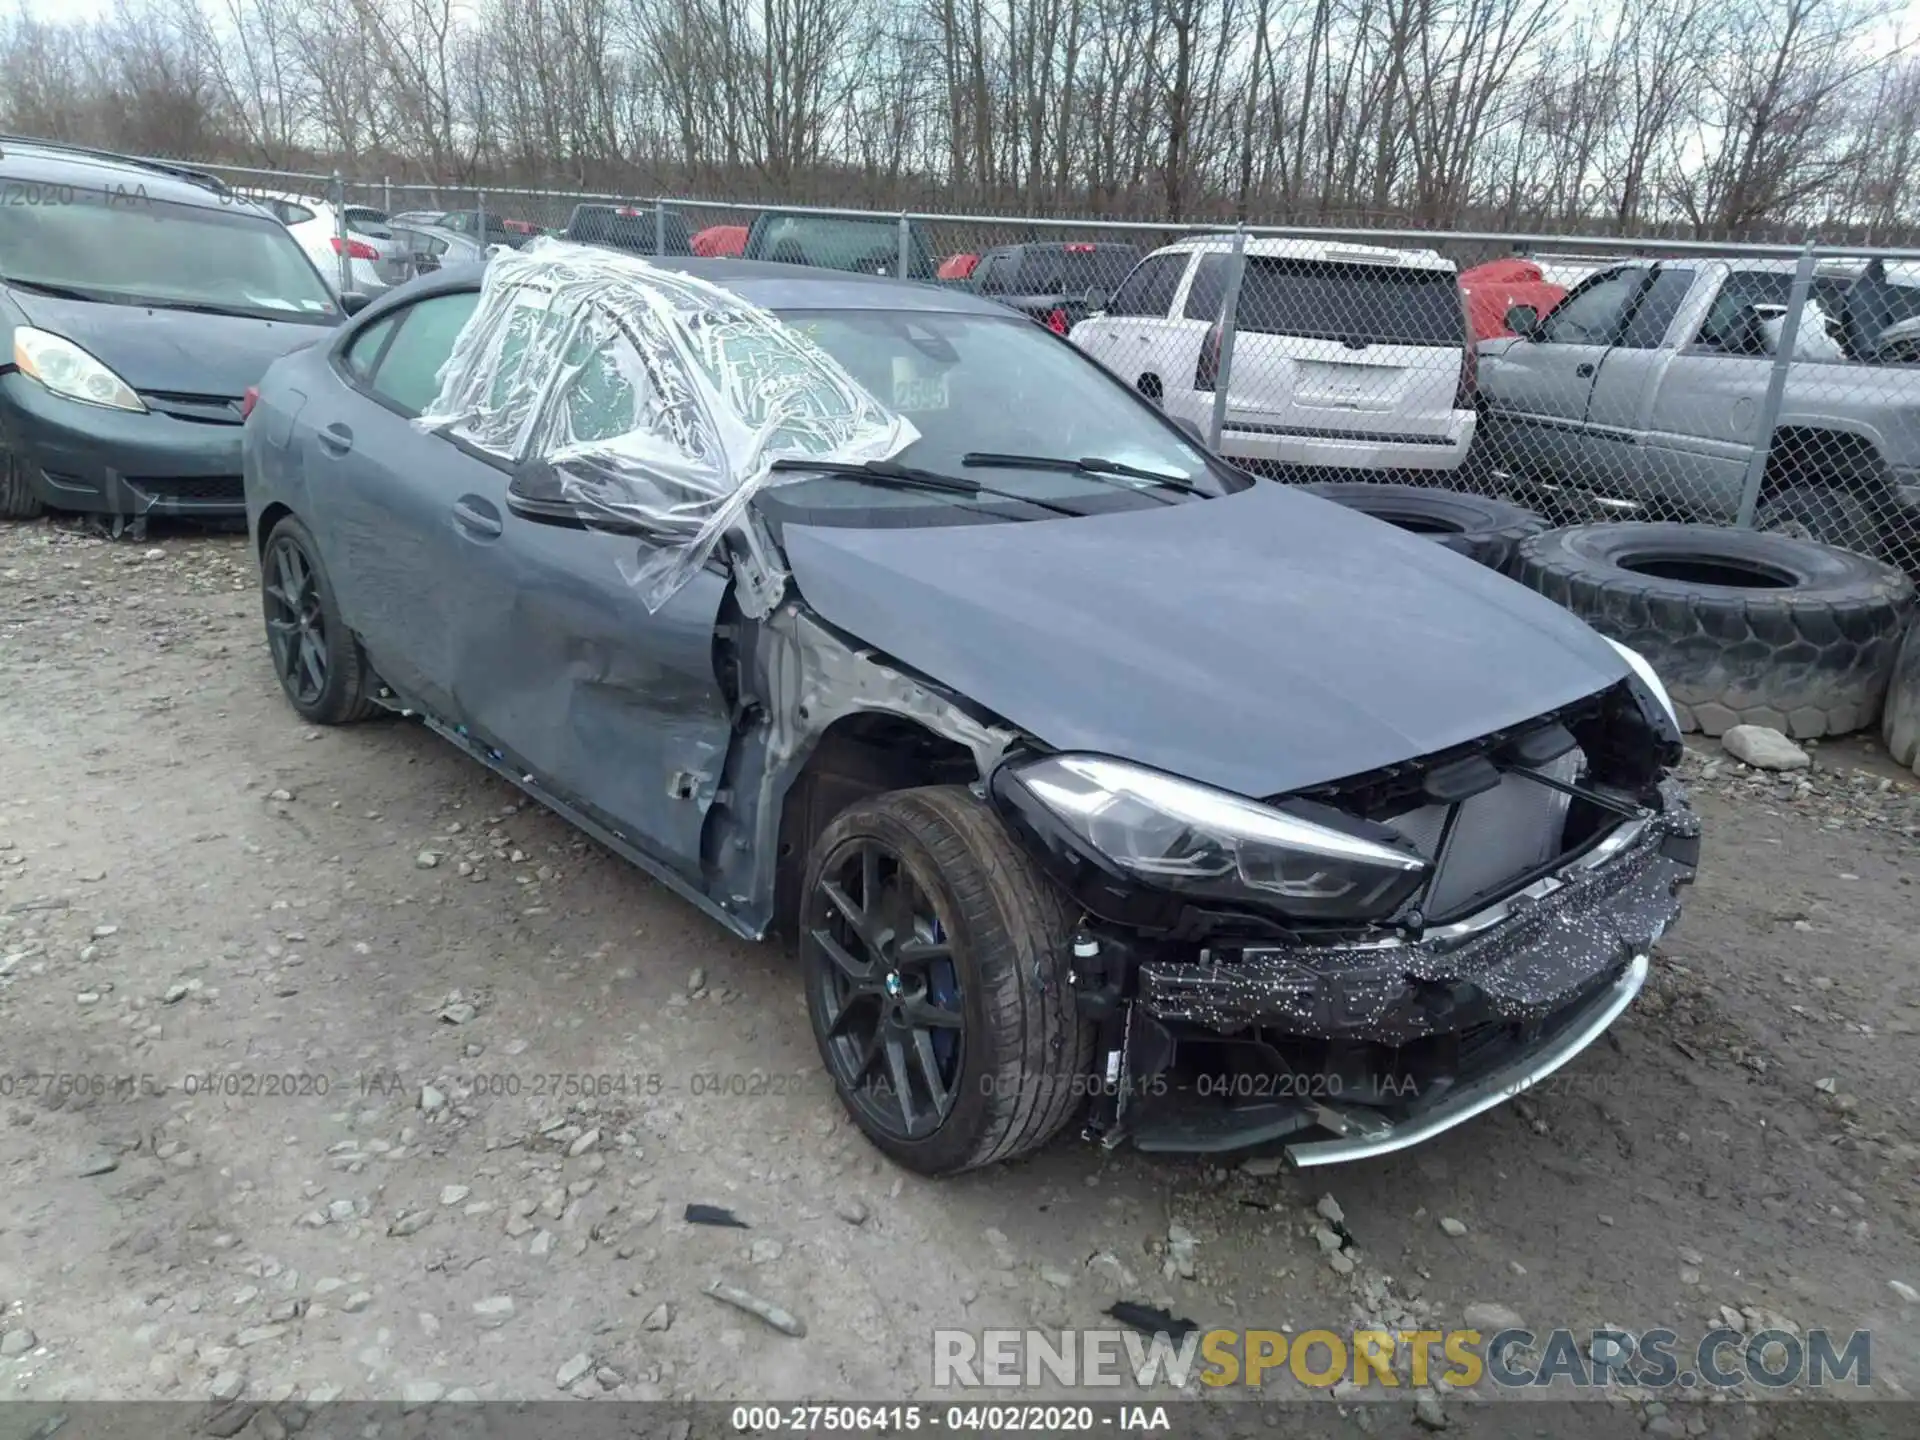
(1093, 778)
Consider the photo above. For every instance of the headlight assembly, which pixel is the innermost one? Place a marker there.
(1171, 834)
(65, 369)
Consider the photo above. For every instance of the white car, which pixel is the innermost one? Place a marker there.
(1346, 355)
(376, 260)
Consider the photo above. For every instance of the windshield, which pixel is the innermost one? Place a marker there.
(140, 251)
(975, 384)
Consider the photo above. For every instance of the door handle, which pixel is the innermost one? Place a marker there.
(1583, 369)
(476, 517)
(336, 439)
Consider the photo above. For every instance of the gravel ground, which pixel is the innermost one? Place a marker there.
(345, 988)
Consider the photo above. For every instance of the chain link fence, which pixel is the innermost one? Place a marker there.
(1585, 377)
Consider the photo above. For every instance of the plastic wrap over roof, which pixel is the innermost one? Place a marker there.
(651, 398)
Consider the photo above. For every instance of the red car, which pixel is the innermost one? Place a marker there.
(720, 240)
(1496, 287)
(957, 267)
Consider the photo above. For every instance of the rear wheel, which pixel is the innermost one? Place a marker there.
(934, 956)
(1811, 512)
(321, 668)
(17, 500)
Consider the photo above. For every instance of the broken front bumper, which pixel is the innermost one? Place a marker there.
(1370, 1047)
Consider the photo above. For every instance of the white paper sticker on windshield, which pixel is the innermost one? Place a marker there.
(915, 388)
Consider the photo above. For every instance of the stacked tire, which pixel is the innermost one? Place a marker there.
(1743, 627)
(1477, 526)
(1901, 726)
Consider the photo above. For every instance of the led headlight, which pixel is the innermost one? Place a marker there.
(1638, 664)
(1175, 835)
(65, 369)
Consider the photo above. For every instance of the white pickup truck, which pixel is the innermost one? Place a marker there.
(1645, 387)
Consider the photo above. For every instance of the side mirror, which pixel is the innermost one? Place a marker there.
(352, 302)
(1524, 321)
(1096, 299)
(534, 495)
(1194, 432)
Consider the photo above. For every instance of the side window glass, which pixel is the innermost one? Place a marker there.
(601, 401)
(1660, 302)
(1209, 289)
(1162, 283)
(1593, 314)
(409, 374)
(1149, 289)
(363, 354)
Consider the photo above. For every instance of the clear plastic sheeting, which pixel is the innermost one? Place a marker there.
(653, 400)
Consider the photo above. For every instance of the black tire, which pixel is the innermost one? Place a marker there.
(17, 500)
(1477, 526)
(1743, 628)
(1019, 1071)
(1901, 724)
(1830, 516)
(301, 613)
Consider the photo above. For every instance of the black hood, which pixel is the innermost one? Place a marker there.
(1261, 643)
(178, 351)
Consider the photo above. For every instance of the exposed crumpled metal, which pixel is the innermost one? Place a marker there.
(1525, 967)
(656, 399)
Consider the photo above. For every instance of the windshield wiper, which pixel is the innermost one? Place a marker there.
(1086, 465)
(61, 292)
(906, 477)
(208, 307)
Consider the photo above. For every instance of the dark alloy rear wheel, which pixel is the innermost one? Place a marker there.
(319, 663)
(935, 966)
(1743, 627)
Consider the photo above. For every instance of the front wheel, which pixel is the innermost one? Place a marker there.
(17, 500)
(935, 961)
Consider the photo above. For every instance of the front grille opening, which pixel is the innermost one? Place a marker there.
(1478, 846)
(1492, 842)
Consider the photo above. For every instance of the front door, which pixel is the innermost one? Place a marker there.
(1537, 390)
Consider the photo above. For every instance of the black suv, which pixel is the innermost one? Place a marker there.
(1052, 281)
(864, 244)
(630, 228)
(143, 301)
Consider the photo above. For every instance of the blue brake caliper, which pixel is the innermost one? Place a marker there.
(943, 989)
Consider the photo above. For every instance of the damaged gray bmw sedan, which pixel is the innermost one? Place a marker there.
(1094, 779)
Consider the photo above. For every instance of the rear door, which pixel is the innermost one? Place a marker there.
(386, 523)
(1614, 453)
(1337, 348)
(1536, 391)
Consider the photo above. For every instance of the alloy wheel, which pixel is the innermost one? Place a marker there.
(296, 627)
(883, 970)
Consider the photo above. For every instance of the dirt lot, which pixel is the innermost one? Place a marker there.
(342, 987)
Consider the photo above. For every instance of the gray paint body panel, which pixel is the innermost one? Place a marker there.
(1262, 642)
